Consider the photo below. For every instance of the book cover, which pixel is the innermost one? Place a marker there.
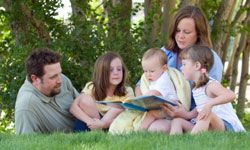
(140, 103)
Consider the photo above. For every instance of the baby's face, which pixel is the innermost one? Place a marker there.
(152, 68)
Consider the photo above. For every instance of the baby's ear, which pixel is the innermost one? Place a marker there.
(165, 66)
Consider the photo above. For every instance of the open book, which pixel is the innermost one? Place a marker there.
(140, 103)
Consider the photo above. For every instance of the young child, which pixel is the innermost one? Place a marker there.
(215, 112)
(154, 64)
(108, 84)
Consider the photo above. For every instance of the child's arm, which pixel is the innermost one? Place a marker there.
(138, 91)
(76, 110)
(219, 95)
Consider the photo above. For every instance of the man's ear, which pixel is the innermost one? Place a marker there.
(34, 79)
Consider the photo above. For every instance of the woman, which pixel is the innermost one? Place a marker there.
(189, 27)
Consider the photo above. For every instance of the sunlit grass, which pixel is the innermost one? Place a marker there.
(102, 140)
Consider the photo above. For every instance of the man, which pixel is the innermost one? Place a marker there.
(43, 101)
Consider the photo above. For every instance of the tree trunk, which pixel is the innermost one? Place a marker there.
(119, 22)
(37, 24)
(79, 9)
(168, 8)
(229, 70)
(239, 17)
(236, 61)
(190, 2)
(225, 48)
(220, 22)
(18, 24)
(152, 11)
(244, 71)
(243, 81)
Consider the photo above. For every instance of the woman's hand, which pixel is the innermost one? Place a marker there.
(174, 111)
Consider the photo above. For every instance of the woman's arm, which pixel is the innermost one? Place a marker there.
(179, 111)
(217, 68)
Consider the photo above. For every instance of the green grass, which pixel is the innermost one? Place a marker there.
(140, 141)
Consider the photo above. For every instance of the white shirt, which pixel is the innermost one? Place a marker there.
(223, 111)
(165, 86)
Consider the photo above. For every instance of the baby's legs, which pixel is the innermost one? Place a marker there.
(212, 122)
(88, 105)
(180, 125)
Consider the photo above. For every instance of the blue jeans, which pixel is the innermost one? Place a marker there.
(228, 126)
(80, 126)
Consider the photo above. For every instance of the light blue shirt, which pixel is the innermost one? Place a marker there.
(215, 72)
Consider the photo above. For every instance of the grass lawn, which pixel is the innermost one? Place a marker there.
(140, 141)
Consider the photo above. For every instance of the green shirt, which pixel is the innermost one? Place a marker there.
(35, 112)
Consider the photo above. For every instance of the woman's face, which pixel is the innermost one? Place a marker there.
(186, 34)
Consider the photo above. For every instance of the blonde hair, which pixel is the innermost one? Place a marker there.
(203, 55)
(155, 52)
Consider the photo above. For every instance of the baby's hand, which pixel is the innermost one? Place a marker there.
(205, 112)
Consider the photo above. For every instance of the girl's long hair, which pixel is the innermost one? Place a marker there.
(101, 74)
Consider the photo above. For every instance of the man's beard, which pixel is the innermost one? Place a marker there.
(55, 92)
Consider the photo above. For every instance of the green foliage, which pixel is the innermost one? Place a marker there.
(246, 120)
(100, 140)
(80, 41)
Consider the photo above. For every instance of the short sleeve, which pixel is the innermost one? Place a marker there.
(88, 88)
(217, 68)
(130, 93)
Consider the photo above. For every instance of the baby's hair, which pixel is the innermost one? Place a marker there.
(155, 52)
(101, 74)
(203, 55)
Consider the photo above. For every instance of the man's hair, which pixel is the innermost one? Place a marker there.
(38, 59)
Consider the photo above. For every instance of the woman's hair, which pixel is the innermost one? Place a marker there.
(155, 52)
(101, 74)
(203, 55)
(201, 27)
